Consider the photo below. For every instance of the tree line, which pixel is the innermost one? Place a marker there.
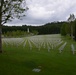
(49, 28)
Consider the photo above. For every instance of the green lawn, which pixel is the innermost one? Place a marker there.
(21, 61)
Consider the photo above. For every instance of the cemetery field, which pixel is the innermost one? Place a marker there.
(38, 55)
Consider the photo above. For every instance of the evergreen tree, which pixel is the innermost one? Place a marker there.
(63, 29)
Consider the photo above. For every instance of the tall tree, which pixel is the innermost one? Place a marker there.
(63, 29)
(10, 9)
(75, 30)
(71, 19)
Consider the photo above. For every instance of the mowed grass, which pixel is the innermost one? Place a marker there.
(21, 61)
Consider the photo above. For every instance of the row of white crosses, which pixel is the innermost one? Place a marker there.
(48, 42)
(44, 41)
(62, 47)
(12, 41)
(73, 48)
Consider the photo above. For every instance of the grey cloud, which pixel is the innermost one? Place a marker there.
(42, 11)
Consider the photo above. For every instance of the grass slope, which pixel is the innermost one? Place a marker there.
(21, 61)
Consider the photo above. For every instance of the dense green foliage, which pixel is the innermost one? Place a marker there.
(49, 28)
(63, 29)
(75, 29)
(15, 33)
(69, 28)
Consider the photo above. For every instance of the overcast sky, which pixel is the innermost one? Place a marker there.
(44, 11)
